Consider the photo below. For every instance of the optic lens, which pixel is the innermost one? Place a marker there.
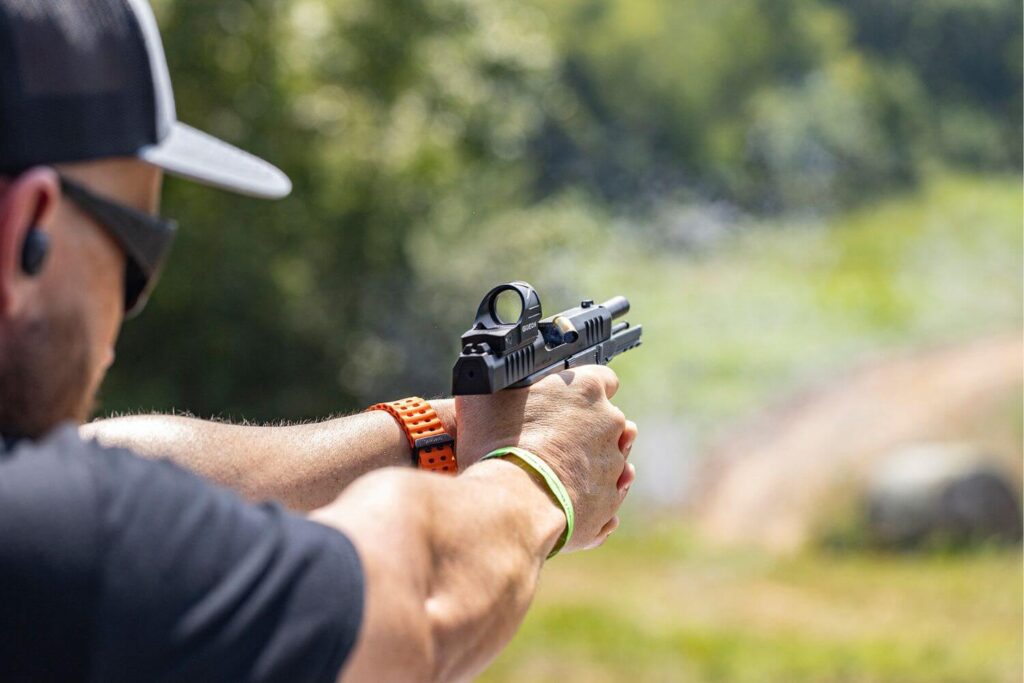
(507, 307)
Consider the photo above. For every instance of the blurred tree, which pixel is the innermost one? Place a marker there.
(967, 55)
(380, 112)
(779, 104)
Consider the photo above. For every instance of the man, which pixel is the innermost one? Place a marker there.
(119, 568)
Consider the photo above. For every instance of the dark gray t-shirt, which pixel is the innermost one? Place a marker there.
(115, 568)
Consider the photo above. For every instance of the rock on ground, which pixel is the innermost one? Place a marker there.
(940, 492)
(767, 482)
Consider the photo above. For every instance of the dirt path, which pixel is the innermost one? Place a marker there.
(765, 482)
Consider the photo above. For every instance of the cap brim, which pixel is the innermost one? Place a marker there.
(197, 156)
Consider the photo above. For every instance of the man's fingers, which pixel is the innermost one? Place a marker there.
(611, 380)
(610, 526)
(607, 530)
(626, 479)
(627, 438)
(601, 375)
(592, 378)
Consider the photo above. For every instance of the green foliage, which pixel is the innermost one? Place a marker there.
(382, 113)
(663, 90)
(845, 131)
(437, 147)
(789, 104)
(967, 57)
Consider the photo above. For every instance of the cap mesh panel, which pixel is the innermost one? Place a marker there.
(60, 47)
(75, 82)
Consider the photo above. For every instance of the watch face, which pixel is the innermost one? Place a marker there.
(433, 441)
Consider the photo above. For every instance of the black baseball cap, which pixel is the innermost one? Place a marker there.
(87, 79)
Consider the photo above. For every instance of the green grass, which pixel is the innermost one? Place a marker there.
(655, 605)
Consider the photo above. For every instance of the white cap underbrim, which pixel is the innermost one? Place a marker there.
(197, 156)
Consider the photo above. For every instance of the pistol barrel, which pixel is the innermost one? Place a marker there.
(617, 306)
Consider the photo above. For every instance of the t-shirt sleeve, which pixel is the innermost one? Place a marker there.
(189, 582)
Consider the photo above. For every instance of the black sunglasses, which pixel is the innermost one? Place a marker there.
(146, 240)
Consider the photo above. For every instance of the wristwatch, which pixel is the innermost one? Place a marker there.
(433, 448)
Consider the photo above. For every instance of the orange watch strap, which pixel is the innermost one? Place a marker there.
(433, 448)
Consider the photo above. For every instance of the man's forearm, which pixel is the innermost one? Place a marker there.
(303, 466)
(451, 565)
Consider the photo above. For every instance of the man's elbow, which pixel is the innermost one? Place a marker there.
(396, 647)
(387, 515)
(440, 595)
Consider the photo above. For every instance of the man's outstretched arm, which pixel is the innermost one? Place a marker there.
(449, 571)
(303, 466)
(451, 563)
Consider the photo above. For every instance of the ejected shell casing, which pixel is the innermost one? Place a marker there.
(566, 329)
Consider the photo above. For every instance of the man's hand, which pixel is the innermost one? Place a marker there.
(567, 420)
(451, 563)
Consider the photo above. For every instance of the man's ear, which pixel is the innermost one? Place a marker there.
(27, 201)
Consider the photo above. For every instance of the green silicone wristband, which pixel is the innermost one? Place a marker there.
(555, 485)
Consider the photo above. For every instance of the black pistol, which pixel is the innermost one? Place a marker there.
(510, 346)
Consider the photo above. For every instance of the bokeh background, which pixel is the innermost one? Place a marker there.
(815, 208)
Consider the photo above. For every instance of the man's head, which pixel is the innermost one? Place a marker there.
(87, 127)
(58, 326)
